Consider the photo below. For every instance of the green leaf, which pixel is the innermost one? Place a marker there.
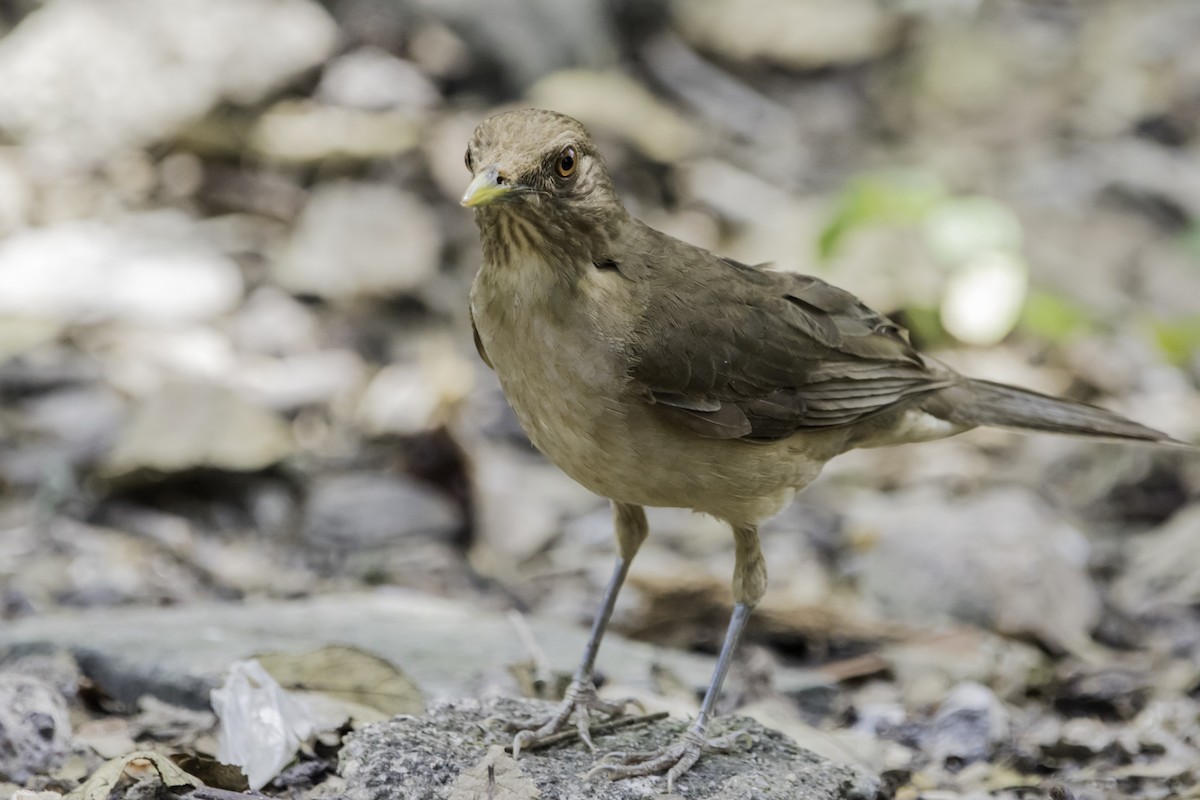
(1053, 317)
(885, 198)
(1179, 339)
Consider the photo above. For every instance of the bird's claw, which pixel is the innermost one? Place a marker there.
(579, 701)
(674, 760)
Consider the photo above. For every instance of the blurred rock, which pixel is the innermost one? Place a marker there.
(1164, 567)
(369, 511)
(60, 431)
(1134, 66)
(15, 194)
(274, 323)
(411, 398)
(854, 749)
(187, 426)
(370, 78)
(524, 501)
(1105, 691)
(426, 754)
(179, 652)
(795, 34)
(518, 41)
(443, 144)
(305, 379)
(612, 102)
(35, 729)
(69, 563)
(1000, 559)
(84, 80)
(968, 723)
(150, 268)
(928, 667)
(306, 132)
(357, 239)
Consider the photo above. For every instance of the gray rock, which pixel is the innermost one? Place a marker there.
(1000, 559)
(35, 729)
(369, 511)
(371, 78)
(967, 725)
(305, 379)
(180, 653)
(528, 38)
(196, 425)
(60, 430)
(613, 102)
(804, 34)
(308, 132)
(147, 268)
(126, 73)
(1164, 567)
(425, 757)
(356, 239)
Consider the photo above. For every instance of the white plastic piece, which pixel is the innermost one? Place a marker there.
(261, 723)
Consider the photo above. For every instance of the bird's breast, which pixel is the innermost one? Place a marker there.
(558, 355)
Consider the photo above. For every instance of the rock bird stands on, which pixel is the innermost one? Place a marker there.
(658, 374)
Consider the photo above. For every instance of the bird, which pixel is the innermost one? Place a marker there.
(658, 374)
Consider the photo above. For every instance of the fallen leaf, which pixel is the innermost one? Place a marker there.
(496, 777)
(349, 674)
(134, 765)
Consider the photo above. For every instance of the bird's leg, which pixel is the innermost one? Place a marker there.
(580, 698)
(749, 584)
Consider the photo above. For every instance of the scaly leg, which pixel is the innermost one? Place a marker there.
(749, 583)
(580, 698)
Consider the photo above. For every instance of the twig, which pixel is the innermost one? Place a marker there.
(525, 634)
(598, 729)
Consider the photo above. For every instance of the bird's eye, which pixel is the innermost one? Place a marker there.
(566, 162)
(468, 162)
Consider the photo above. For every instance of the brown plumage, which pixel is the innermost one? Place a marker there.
(656, 373)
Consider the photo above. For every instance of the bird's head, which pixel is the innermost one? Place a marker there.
(543, 168)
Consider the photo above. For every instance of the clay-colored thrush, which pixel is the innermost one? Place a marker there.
(658, 374)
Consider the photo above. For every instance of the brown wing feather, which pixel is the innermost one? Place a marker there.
(478, 342)
(769, 354)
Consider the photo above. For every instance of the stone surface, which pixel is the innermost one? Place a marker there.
(425, 757)
(371, 78)
(86, 79)
(364, 511)
(223, 431)
(35, 729)
(179, 653)
(527, 38)
(1164, 567)
(360, 239)
(969, 722)
(151, 268)
(999, 558)
(800, 34)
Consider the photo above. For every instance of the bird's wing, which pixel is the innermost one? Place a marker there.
(478, 342)
(740, 352)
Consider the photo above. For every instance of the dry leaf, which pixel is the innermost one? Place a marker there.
(496, 777)
(348, 674)
(136, 765)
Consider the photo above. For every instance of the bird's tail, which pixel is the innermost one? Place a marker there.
(976, 402)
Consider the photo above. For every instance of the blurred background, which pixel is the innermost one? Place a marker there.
(235, 360)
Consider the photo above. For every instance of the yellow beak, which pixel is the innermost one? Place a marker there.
(486, 188)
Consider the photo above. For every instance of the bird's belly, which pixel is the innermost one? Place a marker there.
(619, 447)
(570, 391)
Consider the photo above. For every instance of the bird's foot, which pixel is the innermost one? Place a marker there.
(578, 702)
(674, 760)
